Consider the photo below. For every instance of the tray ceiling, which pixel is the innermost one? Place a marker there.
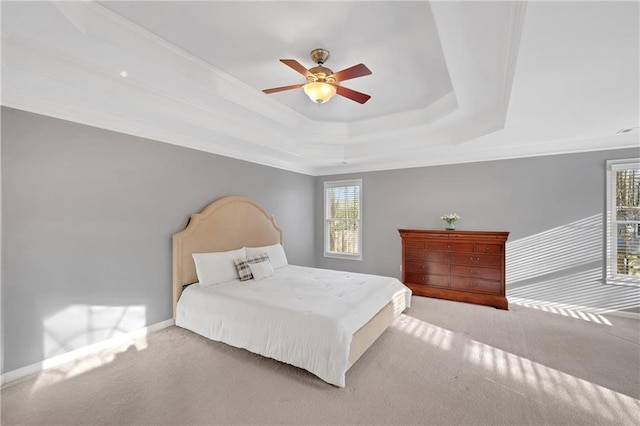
(452, 81)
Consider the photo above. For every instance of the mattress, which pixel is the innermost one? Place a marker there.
(302, 316)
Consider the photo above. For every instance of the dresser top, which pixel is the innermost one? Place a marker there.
(453, 235)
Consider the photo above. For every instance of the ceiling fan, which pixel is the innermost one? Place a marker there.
(322, 83)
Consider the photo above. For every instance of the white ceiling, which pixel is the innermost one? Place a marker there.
(384, 34)
(452, 81)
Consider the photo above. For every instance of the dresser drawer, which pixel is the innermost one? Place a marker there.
(437, 245)
(426, 255)
(430, 280)
(461, 247)
(476, 259)
(414, 245)
(448, 246)
(475, 285)
(476, 272)
(488, 248)
(428, 268)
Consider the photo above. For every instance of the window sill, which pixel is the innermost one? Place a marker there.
(343, 256)
(623, 281)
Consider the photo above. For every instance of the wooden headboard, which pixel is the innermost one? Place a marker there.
(226, 224)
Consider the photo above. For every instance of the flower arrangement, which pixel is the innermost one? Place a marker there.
(451, 220)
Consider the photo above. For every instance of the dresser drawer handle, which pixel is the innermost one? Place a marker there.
(425, 279)
(474, 271)
(486, 248)
(475, 259)
(448, 246)
(425, 267)
(473, 285)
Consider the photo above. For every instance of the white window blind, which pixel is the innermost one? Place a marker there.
(343, 221)
(623, 221)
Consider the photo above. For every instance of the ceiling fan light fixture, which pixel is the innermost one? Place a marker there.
(322, 83)
(319, 92)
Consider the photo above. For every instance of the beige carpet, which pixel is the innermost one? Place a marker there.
(440, 363)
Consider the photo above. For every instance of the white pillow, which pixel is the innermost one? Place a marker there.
(261, 270)
(216, 268)
(275, 252)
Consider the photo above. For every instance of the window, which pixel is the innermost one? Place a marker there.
(623, 221)
(343, 219)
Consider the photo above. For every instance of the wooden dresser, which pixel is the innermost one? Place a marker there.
(467, 266)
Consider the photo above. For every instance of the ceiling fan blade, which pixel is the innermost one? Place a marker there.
(296, 66)
(283, 88)
(359, 70)
(352, 94)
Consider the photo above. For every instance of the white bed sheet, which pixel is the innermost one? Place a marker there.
(302, 316)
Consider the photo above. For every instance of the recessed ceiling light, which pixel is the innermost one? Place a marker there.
(123, 74)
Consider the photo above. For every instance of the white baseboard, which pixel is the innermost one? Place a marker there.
(553, 306)
(623, 314)
(59, 360)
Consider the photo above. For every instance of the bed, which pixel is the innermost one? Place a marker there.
(284, 316)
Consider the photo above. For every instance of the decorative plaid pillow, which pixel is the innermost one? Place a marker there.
(242, 265)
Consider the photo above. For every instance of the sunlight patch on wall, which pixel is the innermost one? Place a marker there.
(78, 326)
(554, 250)
(561, 271)
(526, 377)
(580, 295)
(81, 338)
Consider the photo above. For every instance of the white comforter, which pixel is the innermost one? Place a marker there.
(302, 316)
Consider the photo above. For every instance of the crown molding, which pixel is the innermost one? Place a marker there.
(73, 12)
(106, 26)
(448, 155)
(363, 129)
(200, 107)
(514, 37)
(49, 63)
(78, 113)
(378, 161)
(31, 57)
(175, 97)
(91, 19)
(447, 104)
(484, 91)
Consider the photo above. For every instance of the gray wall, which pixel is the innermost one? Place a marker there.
(553, 207)
(88, 214)
(87, 221)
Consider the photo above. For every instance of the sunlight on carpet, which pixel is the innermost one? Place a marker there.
(522, 375)
(573, 311)
(86, 363)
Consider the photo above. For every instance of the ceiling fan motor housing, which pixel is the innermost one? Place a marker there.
(321, 74)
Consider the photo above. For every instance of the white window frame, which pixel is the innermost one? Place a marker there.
(334, 184)
(611, 275)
